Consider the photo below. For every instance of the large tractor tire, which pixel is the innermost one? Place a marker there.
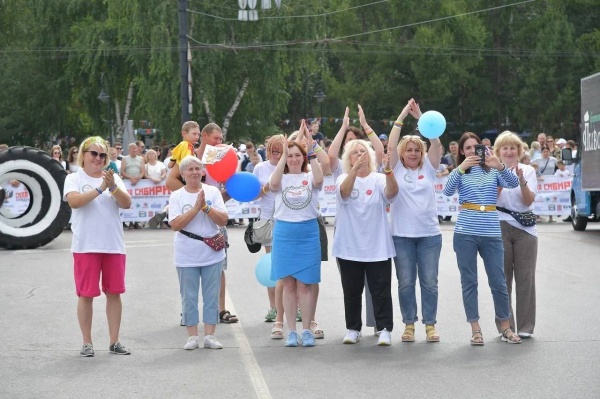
(47, 214)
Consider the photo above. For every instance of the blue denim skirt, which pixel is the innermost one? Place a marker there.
(296, 251)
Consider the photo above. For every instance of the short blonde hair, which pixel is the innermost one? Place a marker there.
(412, 139)
(189, 125)
(85, 146)
(508, 138)
(148, 152)
(187, 161)
(350, 147)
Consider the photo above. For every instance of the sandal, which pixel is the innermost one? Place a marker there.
(510, 337)
(226, 317)
(477, 341)
(409, 333)
(277, 330)
(432, 335)
(316, 330)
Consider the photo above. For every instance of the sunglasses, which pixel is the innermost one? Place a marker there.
(96, 154)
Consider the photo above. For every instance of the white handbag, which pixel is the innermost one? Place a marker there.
(262, 231)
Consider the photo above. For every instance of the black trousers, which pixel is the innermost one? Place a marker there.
(379, 279)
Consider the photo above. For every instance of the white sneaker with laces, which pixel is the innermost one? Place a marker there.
(352, 337)
(385, 338)
(192, 343)
(210, 342)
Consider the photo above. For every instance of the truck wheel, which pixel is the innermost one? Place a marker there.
(578, 222)
(47, 214)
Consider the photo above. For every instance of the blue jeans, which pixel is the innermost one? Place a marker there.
(189, 284)
(492, 252)
(418, 256)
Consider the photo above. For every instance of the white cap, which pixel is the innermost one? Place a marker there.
(242, 147)
(561, 141)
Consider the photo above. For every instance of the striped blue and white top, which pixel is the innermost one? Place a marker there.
(481, 188)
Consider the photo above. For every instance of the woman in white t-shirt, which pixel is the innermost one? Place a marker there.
(197, 210)
(520, 242)
(345, 135)
(56, 154)
(98, 245)
(266, 200)
(296, 256)
(362, 242)
(155, 169)
(415, 226)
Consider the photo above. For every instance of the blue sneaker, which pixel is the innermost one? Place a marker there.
(292, 339)
(307, 338)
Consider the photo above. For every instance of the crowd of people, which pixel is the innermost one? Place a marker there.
(373, 174)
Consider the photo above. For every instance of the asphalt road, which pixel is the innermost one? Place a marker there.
(41, 340)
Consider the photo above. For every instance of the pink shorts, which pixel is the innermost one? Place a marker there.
(87, 270)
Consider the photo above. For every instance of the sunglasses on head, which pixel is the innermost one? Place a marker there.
(95, 154)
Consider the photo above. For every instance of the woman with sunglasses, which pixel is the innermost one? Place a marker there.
(98, 247)
(72, 164)
(56, 154)
(415, 226)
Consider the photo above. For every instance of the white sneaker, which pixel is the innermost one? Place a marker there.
(192, 343)
(385, 338)
(210, 341)
(524, 335)
(352, 337)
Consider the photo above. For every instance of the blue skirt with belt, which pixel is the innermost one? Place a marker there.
(296, 251)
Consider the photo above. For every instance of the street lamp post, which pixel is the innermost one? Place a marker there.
(104, 98)
(320, 96)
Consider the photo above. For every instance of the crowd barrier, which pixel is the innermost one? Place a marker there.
(553, 198)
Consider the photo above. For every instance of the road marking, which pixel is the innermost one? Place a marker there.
(151, 243)
(250, 364)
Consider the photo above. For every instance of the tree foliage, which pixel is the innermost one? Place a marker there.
(484, 65)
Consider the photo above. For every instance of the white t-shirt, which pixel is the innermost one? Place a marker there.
(190, 252)
(96, 226)
(263, 172)
(155, 171)
(414, 213)
(562, 173)
(362, 231)
(298, 200)
(511, 199)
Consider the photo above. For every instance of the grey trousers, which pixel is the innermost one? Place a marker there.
(520, 258)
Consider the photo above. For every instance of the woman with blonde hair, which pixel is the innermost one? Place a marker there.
(155, 169)
(535, 150)
(98, 247)
(56, 153)
(520, 240)
(415, 227)
(362, 242)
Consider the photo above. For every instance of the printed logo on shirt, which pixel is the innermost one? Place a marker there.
(354, 194)
(86, 187)
(421, 177)
(297, 197)
(369, 192)
(305, 182)
(186, 208)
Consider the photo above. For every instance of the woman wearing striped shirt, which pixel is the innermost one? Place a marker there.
(478, 230)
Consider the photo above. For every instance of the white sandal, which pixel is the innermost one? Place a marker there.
(277, 332)
(316, 330)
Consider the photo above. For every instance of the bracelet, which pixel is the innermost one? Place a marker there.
(503, 169)
(311, 157)
(524, 184)
(318, 149)
(398, 124)
(113, 189)
(388, 171)
(462, 172)
(99, 191)
(206, 208)
(315, 144)
(311, 154)
(370, 132)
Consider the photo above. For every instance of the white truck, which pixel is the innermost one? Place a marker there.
(585, 191)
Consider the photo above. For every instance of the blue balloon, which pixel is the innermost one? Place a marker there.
(432, 124)
(243, 186)
(263, 271)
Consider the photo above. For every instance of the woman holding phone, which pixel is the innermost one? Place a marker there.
(477, 230)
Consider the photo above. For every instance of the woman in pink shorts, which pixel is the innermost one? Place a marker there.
(98, 246)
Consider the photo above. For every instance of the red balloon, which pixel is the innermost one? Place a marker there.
(225, 168)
